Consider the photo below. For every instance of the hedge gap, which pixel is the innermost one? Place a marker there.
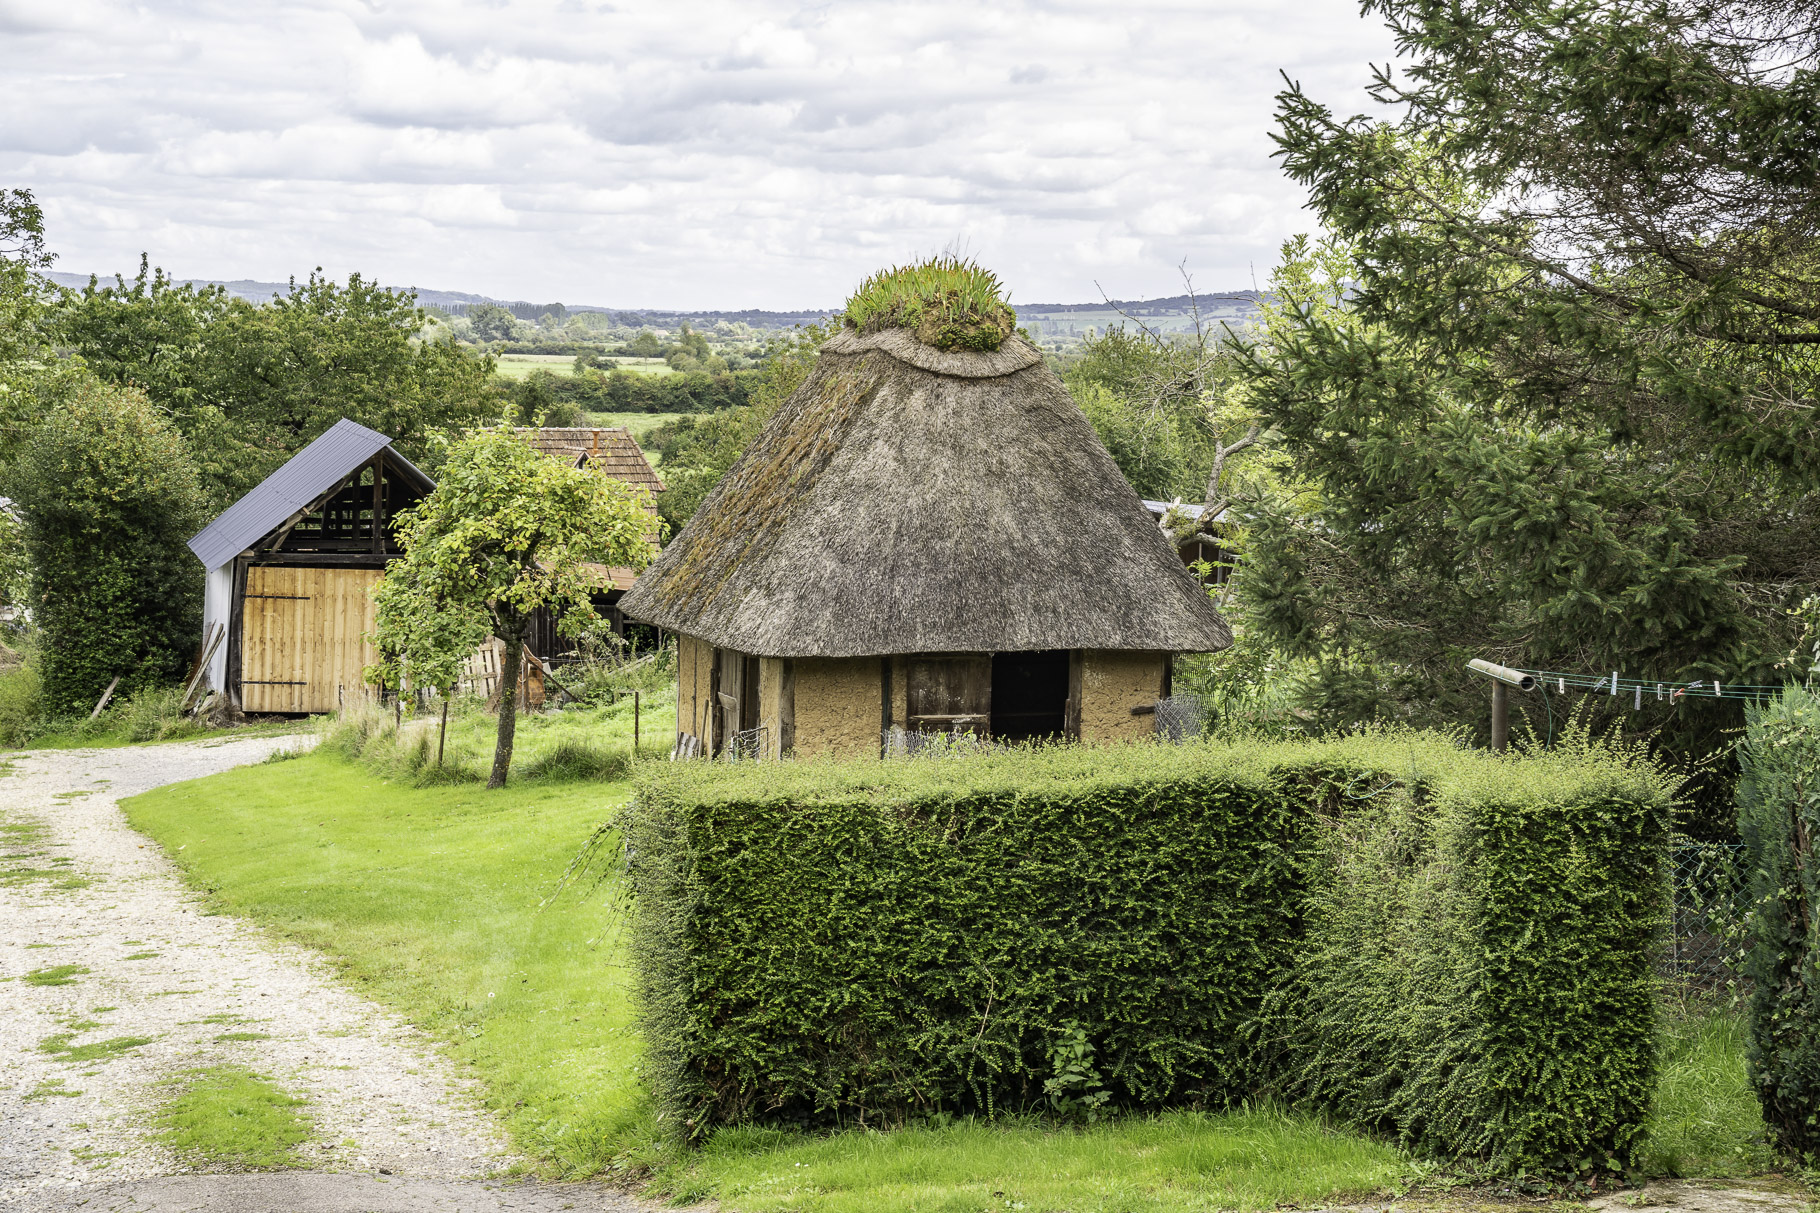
(1442, 943)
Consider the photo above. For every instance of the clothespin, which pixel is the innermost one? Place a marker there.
(1715, 688)
(1638, 705)
(1614, 682)
(1563, 685)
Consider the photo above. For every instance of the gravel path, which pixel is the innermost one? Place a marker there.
(79, 888)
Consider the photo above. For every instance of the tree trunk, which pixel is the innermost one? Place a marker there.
(510, 663)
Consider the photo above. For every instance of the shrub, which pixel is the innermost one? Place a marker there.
(1132, 927)
(1779, 816)
(1477, 971)
(110, 495)
(21, 703)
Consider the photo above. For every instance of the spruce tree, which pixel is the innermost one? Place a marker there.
(1567, 419)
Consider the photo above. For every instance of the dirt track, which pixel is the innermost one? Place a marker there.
(176, 988)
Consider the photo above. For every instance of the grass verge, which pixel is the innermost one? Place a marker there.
(431, 900)
(228, 1115)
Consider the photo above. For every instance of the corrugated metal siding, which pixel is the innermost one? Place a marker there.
(308, 474)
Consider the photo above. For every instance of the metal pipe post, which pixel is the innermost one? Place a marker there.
(1500, 715)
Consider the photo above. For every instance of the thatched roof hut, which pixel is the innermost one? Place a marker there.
(909, 500)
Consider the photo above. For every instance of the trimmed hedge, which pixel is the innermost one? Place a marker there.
(1152, 926)
(1477, 975)
(1779, 817)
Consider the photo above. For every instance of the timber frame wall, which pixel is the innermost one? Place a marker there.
(353, 530)
(853, 706)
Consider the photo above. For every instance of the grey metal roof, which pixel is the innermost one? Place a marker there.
(308, 474)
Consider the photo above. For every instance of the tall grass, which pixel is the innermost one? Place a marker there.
(950, 302)
(146, 714)
(1706, 1121)
(578, 744)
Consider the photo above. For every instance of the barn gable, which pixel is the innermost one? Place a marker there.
(291, 565)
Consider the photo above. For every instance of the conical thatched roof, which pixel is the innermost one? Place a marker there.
(913, 500)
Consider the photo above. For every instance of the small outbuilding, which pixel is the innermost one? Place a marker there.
(615, 454)
(288, 605)
(922, 540)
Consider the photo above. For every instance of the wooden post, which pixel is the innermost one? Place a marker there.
(445, 729)
(1500, 715)
(635, 707)
(105, 696)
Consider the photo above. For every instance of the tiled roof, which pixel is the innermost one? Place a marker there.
(612, 451)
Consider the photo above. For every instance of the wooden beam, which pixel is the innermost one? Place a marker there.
(105, 696)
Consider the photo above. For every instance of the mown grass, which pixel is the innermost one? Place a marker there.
(228, 1115)
(1259, 1159)
(432, 900)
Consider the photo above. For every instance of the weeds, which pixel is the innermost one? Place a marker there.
(1706, 1120)
(578, 760)
(580, 743)
(230, 1115)
(60, 1048)
(949, 302)
(60, 975)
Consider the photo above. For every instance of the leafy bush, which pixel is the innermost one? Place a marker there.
(1477, 971)
(1779, 816)
(110, 495)
(21, 704)
(1081, 929)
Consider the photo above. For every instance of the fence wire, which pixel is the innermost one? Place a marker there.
(1706, 930)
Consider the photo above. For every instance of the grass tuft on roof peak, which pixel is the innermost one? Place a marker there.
(949, 302)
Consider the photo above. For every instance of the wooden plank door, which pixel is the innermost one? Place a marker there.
(950, 694)
(303, 639)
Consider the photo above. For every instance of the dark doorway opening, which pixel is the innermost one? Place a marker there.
(1030, 695)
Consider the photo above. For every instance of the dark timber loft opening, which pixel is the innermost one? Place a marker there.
(352, 524)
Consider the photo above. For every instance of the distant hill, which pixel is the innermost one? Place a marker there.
(1063, 323)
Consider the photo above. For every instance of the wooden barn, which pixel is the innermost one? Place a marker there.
(922, 541)
(291, 567)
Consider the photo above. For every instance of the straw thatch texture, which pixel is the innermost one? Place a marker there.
(910, 500)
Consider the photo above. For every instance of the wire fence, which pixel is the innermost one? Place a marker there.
(1706, 930)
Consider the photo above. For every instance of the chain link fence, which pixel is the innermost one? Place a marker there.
(1706, 931)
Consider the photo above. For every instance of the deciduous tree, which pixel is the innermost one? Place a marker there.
(508, 531)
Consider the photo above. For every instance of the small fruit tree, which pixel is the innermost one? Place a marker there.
(507, 531)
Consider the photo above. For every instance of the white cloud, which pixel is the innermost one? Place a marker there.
(694, 153)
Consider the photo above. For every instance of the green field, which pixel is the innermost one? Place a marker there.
(520, 366)
(639, 423)
(437, 901)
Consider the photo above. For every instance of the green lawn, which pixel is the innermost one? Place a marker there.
(433, 900)
(519, 366)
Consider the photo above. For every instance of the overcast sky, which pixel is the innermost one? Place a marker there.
(669, 153)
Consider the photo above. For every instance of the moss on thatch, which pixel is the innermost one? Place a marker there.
(912, 500)
(949, 302)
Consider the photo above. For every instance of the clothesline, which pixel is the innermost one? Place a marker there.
(1558, 682)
